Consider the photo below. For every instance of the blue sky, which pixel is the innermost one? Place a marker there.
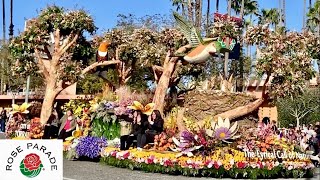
(105, 11)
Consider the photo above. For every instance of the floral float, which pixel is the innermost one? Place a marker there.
(216, 152)
(222, 163)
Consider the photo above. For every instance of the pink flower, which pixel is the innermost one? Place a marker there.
(167, 162)
(241, 165)
(216, 165)
(126, 155)
(114, 153)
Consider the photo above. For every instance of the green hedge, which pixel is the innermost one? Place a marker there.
(251, 173)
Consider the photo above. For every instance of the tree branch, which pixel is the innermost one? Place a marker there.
(157, 71)
(46, 50)
(127, 79)
(96, 64)
(41, 65)
(66, 47)
(56, 40)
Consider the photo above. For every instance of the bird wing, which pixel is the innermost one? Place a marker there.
(189, 31)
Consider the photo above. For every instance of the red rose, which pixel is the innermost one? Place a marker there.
(32, 162)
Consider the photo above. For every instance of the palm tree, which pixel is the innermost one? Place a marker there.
(313, 21)
(208, 18)
(3, 40)
(269, 16)
(190, 10)
(250, 7)
(217, 5)
(226, 54)
(304, 14)
(198, 11)
(180, 4)
(284, 12)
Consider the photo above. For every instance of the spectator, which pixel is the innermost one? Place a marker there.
(266, 120)
(3, 119)
(155, 126)
(142, 125)
(136, 129)
(68, 124)
(274, 126)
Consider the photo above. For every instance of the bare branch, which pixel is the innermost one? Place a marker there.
(46, 50)
(41, 65)
(157, 71)
(128, 71)
(96, 64)
(65, 48)
(56, 40)
(127, 79)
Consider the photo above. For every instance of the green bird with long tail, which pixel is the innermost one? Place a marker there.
(201, 49)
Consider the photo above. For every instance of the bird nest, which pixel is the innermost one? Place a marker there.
(201, 104)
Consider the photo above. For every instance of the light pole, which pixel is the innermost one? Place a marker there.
(3, 39)
(11, 24)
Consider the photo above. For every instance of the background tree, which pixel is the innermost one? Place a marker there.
(270, 16)
(90, 84)
(56, 38)
(301, 108)
(287, 57)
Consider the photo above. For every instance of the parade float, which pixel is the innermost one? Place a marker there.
(202, 136)
(217, 149)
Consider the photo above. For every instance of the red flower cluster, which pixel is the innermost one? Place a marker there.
(224, 17)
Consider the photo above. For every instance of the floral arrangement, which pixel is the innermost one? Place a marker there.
(223, 162)
(36, 130)
(262, 139)
(90, 146)
(76, 106)
(163, 141)
(223, 27)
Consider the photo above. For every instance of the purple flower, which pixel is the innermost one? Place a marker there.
(90, 146)
(109, 105)
(187, 136)
(222, 133)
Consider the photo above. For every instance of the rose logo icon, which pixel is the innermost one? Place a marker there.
(31, 165)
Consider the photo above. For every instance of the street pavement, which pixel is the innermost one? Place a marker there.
(83, 170)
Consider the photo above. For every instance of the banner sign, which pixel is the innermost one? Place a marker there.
(31, 159)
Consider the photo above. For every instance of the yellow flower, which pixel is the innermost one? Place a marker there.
(20, 109)
(144, 109)
(227, 166)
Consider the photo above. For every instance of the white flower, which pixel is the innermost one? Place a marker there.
(189, 161)
(155, 160)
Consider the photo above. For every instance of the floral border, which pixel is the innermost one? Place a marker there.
(125, 159)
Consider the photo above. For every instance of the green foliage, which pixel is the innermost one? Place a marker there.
(247, 173)
(77, 106)
(38, 39)
(304, 107)
(104, 124)
(106, 127)
(90, 84)
(287, 56)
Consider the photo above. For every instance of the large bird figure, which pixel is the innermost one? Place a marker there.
(102, 53)
(201, 49)
(101, 56)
